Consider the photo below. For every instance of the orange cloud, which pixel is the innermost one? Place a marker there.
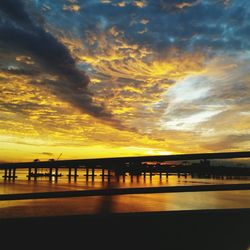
(139, 3)
(133, 82)
(186, 4)
(72, 7)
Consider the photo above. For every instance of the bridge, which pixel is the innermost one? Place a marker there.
(134, 165)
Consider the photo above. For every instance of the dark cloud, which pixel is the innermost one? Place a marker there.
(20, 71)
(15, 10)
(23, 35)
(47, 153)
(23, 108)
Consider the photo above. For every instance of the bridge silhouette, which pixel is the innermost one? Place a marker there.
(197, 229)
(134, 166)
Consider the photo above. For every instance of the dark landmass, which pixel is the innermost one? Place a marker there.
(201, 229)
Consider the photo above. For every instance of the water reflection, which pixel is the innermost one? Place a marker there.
(22, 185)
(106, 202)
(118, 203)
(126, 203)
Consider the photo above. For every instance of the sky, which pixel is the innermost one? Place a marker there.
(105, 78)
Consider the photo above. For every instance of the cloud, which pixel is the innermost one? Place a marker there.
(121, 4)
(177, 5)
(212, 104)
(183, 82)
(23, 35)
(131, 77)
(230, 142)
(47, 153)
(20, 71)
(72, 7)
(15, 10)
(139, 3)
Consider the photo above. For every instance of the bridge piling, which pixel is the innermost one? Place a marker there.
(151, 173)
(14, 174)
(69, 175)
(137, 178)
(93, 174)
(50, 173)
(131, 177)
(109, 175)
(35, 173)
(103, 173)
(56, 174)
(75, 174)
(87, 173)
(9, 174)
(5, 174)
(29, 173)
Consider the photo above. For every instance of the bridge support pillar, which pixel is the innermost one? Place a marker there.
(75, 174)
(5, 174)
(56, 173)
(151, 174)
(35, 173)
(137, 178)
(103, 173)
(93, 174)
(109, 175)
(87, 173)
(9, 174)
(50, 173)
(69, 174)
(29, 173)
(14, 174)
(131, 178)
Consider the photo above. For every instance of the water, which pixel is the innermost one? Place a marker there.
(117, 203)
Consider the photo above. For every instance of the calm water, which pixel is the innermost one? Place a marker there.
(117, 203)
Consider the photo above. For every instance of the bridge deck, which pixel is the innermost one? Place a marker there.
(122, 160)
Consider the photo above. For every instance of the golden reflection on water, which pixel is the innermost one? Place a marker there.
(126, 203)
(22, 185)
(117, 203)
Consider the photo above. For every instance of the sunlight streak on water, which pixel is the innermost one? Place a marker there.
(117, 203)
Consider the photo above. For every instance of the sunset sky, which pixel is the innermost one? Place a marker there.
(104, 78)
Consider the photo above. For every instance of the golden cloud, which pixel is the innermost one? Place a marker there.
(133, 82)
(72, 7)
(139, 3)
(186, 4)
